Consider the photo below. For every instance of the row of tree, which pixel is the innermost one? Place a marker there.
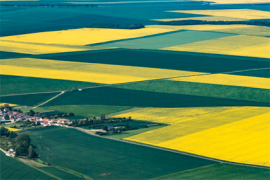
(48, 5)
(20, 143)
(116, 26)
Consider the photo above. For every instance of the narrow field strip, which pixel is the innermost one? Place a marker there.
(204, 27)
(228, 79)
(240, 45)
(233, 13)
(87, 72)
(167, 40)
(204, 18)
(20, 47)
(84, 36)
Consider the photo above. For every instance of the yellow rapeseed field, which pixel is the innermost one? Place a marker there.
(184, 121)
(245, 141)
(234, 127)
(83, 36)
(233, 13)
(28, 48)
(233, 45)
(13, 129)
(204, 18)
(247, 30)
(88, 72)
(2, 104)
(228, 79)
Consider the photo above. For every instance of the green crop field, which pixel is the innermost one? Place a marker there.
(164, 59)
(167, 78)
(135, 98)
(166, 40)
(101, 158)
(220, 171)
(13, 169)
(28, 99)
(201, 89)
(258, 73)
(39, 84)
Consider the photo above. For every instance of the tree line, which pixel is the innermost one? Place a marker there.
(48, 5)
(20, 143)
(115, 26)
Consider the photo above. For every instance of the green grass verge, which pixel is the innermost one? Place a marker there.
(101, 158)
(32, 85)
(88, 110)
(14, 169)
(126, 134)
(201, 89)
(220, 171)
(60, 173)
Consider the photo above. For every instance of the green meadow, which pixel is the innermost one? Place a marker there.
(166, 40)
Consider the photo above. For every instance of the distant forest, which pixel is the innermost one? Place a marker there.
(48, 5)
(199, 22)
(115, 26)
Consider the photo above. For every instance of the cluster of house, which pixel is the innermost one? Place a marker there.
(7, 116)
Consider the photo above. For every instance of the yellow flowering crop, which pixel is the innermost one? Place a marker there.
(186, 122)
(29, 48)
(245, 141)
(83, 36)
(227, 79)
(88, 72)
(233, 13)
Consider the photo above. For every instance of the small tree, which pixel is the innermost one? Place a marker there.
(31, 113)
(6, 117)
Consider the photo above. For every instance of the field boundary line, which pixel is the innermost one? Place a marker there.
(75, 173)
(174, 151)
(50, 99)
(180, 172)
(49, 174)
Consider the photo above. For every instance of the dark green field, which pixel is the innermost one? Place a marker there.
(135, 98)
(258, 73)
(101, 158)
(221, 171)
(11, 168)
(27, 100)
(164, 59)
(202, 89)
(7, 55)
(26, 84)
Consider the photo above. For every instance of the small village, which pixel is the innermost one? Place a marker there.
(8, 115)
